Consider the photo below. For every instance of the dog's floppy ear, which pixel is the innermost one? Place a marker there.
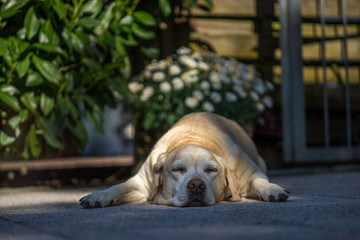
(233, 185)
(160, 163)
(157, 174)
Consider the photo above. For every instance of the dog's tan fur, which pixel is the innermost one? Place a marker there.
(206, 146)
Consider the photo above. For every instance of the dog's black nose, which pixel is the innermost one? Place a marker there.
(196, 186)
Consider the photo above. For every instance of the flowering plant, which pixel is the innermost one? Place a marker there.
(194, 81)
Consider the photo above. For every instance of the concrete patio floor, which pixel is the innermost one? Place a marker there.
(321, 206)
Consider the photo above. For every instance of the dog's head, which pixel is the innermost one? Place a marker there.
(192, 175)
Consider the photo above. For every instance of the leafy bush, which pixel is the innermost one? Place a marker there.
(193, 81)
(60, 61)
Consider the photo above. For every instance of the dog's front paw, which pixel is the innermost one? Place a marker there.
(97, 200)
(274, 193)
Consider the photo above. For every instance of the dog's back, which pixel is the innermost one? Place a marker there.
(214, 132)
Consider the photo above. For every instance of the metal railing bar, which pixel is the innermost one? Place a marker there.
(346, 65)
(331, 20)
(314, 39)
(325, 97)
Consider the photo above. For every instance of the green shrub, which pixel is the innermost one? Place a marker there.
(61, 61)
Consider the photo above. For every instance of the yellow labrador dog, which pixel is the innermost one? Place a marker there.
(203, 159)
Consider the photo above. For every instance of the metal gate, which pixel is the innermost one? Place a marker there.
(295, 105)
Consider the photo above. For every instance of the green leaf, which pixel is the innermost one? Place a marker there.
(9, 89)
(47, 69)
(76, 43)
(92, 65)
(126, 20)
(89, 22)
(209, 2)
(79, 132)
(95, 118)
(131, 42)
(126, 70)
(33, 142)
(46, 104)
(142, 33)
(11, 7)
(63, 104)
(73, 110)
(18, 45)
(15, 121)
(29, 100)
(107, 16)
(31, 23)
(145, 18)
(120, 49)
(6, 139)
(10, 100)
(33, 79)
(49, 47)
(48, 35)
(4, 46)
(23, 64)
(191, 3)
(151, 52)
(59, 8)
(165, 7)
(92, 6)
(50, 131)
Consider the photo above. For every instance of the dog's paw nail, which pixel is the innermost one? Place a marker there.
(85, 204)
(283, 197)
(287, 191)
(97, 204)
(272, 198)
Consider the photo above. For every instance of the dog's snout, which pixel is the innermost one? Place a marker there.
(196, 186)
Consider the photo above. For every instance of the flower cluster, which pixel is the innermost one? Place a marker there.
(192, 81)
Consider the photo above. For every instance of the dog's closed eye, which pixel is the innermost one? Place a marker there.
(211, 170)
(179, 169)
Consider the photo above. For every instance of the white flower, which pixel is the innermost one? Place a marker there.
(198, 95)
(135, 87)
(205, 85)
(267, 100)
(203, 66)
(187, 61)
(178, 83)
(190, 76)
(196, 55)
(158, 76)
(147, 93)
(260, 88)
(193, 72)
(215, 97)
(152, 66)
(183, 51)
(226, 79)
(230, 97)
(147, 73)
(174, 70)
(162, 64)
(216, 85)
(191, 102)
(165, 87)
(214, 77)
(269, 86)
(208, 106)
(254, 96)
(260, 106)
(215, 81)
